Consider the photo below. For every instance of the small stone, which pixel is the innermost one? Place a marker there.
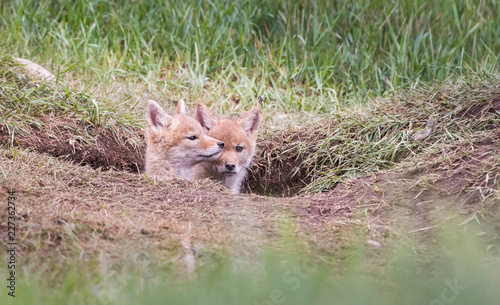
(373, 243)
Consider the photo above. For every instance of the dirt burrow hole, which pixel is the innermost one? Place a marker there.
(279, 169)
(124, 150)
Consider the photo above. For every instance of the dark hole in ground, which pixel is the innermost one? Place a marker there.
(276, 172)
(105, 149)
(285, 167)
(279, 168)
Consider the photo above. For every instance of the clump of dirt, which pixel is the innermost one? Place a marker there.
(81, 143)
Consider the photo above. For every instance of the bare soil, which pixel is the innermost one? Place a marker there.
(66, 210)
(81, 143)
(78, 193)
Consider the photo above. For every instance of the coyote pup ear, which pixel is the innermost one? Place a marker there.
(156, 117)
(181, 107)
(250, 121)
(205, 117)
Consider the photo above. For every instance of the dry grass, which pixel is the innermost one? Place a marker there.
(66, 210)
(381, 185)
(357, 142)
(390, 170)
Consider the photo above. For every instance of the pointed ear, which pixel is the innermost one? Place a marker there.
(181, 107)
(156, 117)
(250, 121)
(205, 117)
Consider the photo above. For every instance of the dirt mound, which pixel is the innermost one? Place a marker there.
(414, 199)
(312, 158)
(116, 210)
(388, 132)
(81, 142)
(109, 212)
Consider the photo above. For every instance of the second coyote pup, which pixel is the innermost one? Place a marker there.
(176, 143)
(239, 136)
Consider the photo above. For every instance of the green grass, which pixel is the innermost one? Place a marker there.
(299, 59)
(361, 141)
(412, 273)
(22, 101)
(322, 53)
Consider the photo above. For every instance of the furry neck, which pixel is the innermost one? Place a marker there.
(169, 167)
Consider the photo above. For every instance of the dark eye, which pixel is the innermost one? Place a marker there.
(239, 148)
(192, 137)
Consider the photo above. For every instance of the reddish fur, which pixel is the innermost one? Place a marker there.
(169, 152)
(242, 132)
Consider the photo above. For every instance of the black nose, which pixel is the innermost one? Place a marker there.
(230, 166)
(221, 144)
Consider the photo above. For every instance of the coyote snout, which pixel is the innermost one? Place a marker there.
(176, 143)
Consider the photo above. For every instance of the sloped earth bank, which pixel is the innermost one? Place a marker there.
(64, 209)
(69, 210)
(80, 142)
(314, 157)
(104, 208)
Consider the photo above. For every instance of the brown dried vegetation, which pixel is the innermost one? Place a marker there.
(372, 172)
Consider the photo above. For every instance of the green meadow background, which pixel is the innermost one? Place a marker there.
(353, 49)
(294, 57)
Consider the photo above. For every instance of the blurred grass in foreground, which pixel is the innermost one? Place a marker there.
(454, 268)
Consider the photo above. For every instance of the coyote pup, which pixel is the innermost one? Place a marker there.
(176, 143)
(239, 136)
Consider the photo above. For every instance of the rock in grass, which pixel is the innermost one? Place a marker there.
(422, 134)
(36, 71)
(373, 243)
